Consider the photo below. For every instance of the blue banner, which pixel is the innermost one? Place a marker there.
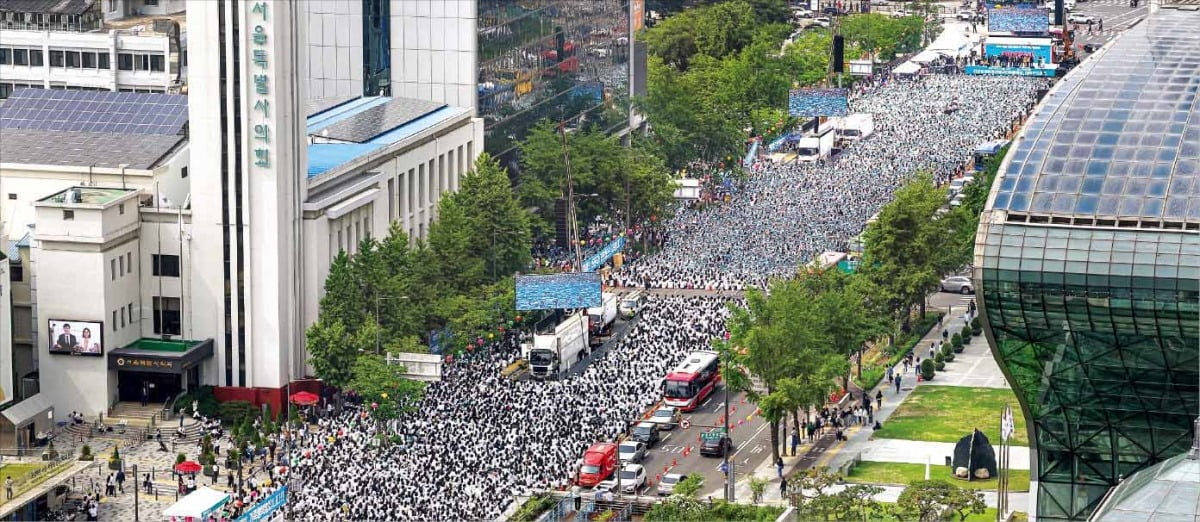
(1019, 52)
(1009, 71)
(598, 259)
(263, 510)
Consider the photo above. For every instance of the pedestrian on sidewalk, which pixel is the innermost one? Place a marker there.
(779, 467)
(795, 442)
(8, 486)
(931, 344)
(890, 372)
(878, 399)
(121, 480)
(783, 487)
(897, 384)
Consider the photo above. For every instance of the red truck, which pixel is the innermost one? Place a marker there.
(599, 463)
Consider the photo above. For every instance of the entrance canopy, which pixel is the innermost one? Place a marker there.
(198, 505)
(154, 356)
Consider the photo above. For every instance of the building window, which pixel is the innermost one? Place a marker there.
(114, 321)
(20, 56)
(183, 172)
(165, 265)
(121, 209)
(122, 317)
(157, 63)
(112, 5)
(150, 2)
(129, 261)
(73, 59)
(35, 58)
(121, 266)
(5, 56)
(112, 267)
(166, 315)
(68, 215)
(12, 195)
(58, 59)
(89, 60)
(124, 61)
(129, 309)
(16, 273)
(102, 58)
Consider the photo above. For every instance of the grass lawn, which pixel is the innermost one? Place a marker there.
(903, 473)
(947, 413)
(16, 471)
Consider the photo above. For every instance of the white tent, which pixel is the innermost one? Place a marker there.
(907, 68)
(198, 505)
(927, 56)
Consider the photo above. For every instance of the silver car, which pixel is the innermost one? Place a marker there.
(631, 451)
(958, 284)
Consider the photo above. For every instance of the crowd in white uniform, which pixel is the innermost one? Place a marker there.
(787, 214)
(479, 439)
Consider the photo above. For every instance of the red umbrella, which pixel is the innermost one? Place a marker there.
(188, 466)
(305, 398)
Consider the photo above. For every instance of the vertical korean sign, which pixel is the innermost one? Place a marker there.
(260, 114)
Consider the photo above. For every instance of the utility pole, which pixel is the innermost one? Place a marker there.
(729, 497)
(572, 225)
(136, 485)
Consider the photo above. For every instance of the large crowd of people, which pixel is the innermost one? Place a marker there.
(788, 213)
(479, 439)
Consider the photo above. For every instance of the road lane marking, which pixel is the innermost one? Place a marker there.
(664, 439)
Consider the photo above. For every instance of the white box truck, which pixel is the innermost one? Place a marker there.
(816, 145)
(601, 318)
(553, 353)
(856, 126)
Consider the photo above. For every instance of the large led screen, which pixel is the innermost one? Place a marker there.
(555, 291)
(1015, 20)
(70, 337)
(810, 103)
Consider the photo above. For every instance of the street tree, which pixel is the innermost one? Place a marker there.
(930, 500)
(384, 386)
(333, 349)
(903, 248)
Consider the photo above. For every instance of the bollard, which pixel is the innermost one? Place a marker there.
(674, 462)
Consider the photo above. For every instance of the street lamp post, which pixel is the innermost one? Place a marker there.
(379, 298)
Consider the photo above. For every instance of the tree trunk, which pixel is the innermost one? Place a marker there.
(861, 351)
(775, 441)
(924, 305)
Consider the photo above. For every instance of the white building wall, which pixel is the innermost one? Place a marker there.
(270, 193)
(111, 43)
(166, 233)
(434, 50)
(335, 48)
(89, 270)
(6, 330)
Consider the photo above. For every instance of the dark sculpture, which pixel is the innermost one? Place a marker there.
(974, 458)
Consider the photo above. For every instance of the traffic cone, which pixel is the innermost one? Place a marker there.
(674, 462)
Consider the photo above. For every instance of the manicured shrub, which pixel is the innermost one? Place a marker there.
(927, 371)
(940, 365)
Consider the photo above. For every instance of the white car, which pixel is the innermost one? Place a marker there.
(822, 21)
(667, 486)
(631, 451)
(1080, 18)
(633, 477)
(965, 15)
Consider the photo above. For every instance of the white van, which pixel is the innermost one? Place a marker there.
(631, 303)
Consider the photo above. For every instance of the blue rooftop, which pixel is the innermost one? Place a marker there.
(362, 126)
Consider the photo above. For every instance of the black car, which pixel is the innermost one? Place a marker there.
(716, 447)
(646, 432)
(831, 11)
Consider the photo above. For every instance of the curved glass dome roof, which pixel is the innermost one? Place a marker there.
(1119, 137)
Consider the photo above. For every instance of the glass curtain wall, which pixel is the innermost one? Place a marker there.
(377, 59)
(1097, 331)
(565, 60)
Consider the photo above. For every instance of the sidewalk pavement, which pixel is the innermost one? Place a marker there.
(973, 367)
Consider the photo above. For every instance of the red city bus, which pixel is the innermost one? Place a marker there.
(692, 381)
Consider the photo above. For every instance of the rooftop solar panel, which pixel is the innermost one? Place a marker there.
(377, 120)
(94, 111)
(1120, 135)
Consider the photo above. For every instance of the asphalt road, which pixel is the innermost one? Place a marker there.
(679, 450)
(1117, 16)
